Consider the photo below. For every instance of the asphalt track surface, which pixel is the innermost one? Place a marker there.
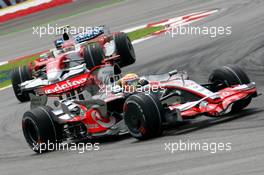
(198, 55)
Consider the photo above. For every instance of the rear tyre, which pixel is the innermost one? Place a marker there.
(125, 49)
(143, 116)
(228, 76)
(93, 55)
(40, 130)
(18, 76)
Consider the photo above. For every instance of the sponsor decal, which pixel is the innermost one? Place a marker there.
(65, 85)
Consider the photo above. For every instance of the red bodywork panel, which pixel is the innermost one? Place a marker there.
(65, 86)
(71, 83)
(215, 107)
(94, 121)
(40, 62)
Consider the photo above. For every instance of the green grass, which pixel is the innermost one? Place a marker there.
(17, 63)
(7, 68)
(2, 76)
(5, 83)
(143, 32)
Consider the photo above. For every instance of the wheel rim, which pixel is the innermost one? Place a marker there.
(134, 119)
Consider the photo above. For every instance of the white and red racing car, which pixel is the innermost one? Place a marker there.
(229, 90)
(72, 59)
(159, 100)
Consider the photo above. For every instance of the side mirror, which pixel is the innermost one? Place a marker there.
(117, 70)
(173, 72)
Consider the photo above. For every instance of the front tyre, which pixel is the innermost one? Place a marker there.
(125, 49)
(143, 116)
(93, 55)
(41, 132)
(18, 76)
(228, 76)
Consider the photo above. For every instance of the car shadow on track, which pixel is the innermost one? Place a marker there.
(188, 127)
(179, 129)
(107, 139)
(191, 127)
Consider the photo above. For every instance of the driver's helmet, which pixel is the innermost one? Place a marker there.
(129, 82)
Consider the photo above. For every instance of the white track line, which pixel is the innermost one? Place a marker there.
(3, 63)
(142, 39)
(9, 86)
(22, 6)
(134, 28)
